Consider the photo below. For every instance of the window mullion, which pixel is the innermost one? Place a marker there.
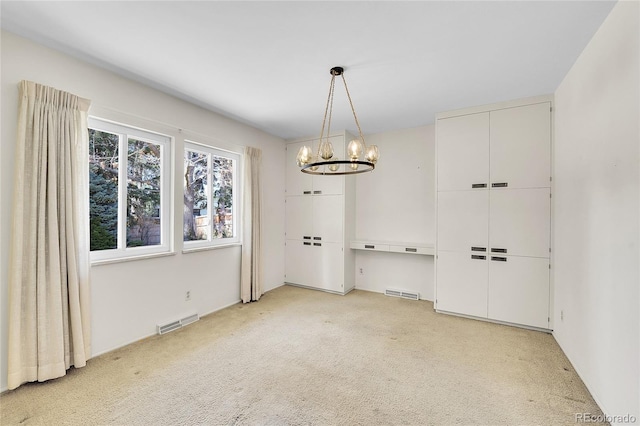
(122, 192)
(210, 196)
(234, 200)
(163, 198)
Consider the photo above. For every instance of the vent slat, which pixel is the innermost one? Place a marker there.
(412, 296)
(174, 325)
(402, 294)
(190, 319)
(165, 328)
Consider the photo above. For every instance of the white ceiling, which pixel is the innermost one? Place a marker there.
(267, 63)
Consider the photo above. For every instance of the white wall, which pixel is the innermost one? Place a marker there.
(596, 202)
(396, 202)
(129, 298)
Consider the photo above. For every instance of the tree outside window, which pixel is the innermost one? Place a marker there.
(209, 207)
(128, 191)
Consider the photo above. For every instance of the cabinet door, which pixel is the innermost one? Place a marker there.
(519, 290)
(521, 146)
(296, 181)
(520, 221)
(328, 218)
(329, 259)
(462, 283)
(299, 265)
(463, 151)
(330, 185)
(463, 220)
(299, 217)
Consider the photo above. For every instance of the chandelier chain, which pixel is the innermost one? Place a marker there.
(353, 110)
(333, 91)
(326, 110)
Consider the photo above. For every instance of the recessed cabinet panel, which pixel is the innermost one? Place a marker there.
(519, 222)
(296, 181)
(462, 220)
(519, 290)
(300, 266)
(328, 214)
(330, 266)
(463, 151)
(521, 146)
(299, 219)
(462, 283)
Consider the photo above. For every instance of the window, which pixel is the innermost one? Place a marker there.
(210, 196)
(129, 191)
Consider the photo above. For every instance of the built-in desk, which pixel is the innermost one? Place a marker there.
(394, 247)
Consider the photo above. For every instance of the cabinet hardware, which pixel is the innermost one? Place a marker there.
(317, 192)
(499, 185)
(478, 185)
(306, 243)
(317, 238)
(306, 237)
(306, 192)
(317, 244)
(498, 258)
(498, 250)
(411, 250)
(369, 246)
(478, 257)
(478, 249)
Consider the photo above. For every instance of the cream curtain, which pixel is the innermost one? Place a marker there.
(251, 272)
(49, 256)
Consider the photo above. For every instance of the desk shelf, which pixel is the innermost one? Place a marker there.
(394, 247)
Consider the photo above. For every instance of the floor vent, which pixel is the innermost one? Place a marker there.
(403, 294)
(174, 325)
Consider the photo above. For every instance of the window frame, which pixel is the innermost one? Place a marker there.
(236, 212)
(165, 142)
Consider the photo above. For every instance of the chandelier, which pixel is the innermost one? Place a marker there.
(360, 158)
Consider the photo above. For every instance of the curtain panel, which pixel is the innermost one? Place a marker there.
(251, 269)
(49, 301)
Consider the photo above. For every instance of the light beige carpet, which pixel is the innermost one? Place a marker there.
(303, 357)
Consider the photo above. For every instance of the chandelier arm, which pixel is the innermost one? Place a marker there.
(326, 109)
(354, 112)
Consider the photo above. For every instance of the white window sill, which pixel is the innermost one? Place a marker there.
(205, 248)
(131, 258)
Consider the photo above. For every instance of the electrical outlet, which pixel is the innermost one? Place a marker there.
(361, 271)
(561, 315)
(187, 295)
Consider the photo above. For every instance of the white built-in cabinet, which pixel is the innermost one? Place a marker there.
(494, 212)
(319, 224)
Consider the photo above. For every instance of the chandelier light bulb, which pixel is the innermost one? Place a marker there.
(304, 156)
(354, 149)
(326, 150)
(354, 166)
(372, 154)
(334, 167)
(313, 159)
